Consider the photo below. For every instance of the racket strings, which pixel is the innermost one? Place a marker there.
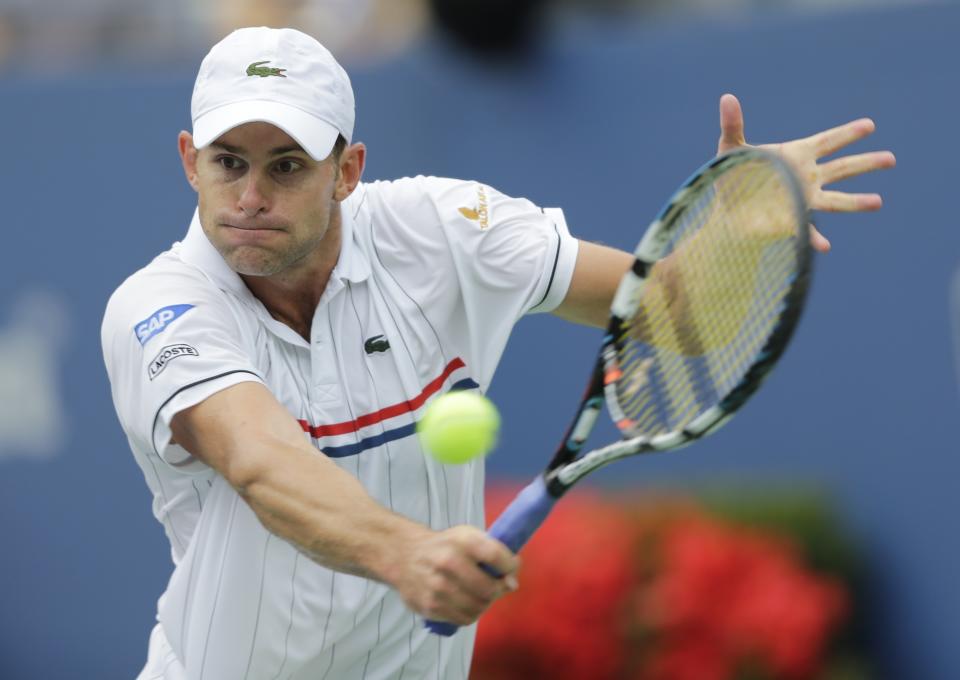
(711, 304)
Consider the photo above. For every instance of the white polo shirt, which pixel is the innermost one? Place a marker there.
(432, 276)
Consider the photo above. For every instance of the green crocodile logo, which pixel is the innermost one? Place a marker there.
(257, 68)
(377, 343)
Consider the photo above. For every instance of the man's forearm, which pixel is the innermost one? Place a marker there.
(303, 497)
(296, 491)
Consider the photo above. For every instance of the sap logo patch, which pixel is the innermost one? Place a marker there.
(168, 354)
(158, 321)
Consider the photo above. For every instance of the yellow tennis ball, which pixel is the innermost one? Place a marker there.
(459, 426)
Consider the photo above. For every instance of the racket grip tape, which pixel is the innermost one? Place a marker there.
(513, 528)
(523, 516)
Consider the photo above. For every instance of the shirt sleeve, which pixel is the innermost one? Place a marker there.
(475, 259)
(508, 253)
(170, 340)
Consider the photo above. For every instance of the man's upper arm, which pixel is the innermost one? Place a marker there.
(169, 342)
(595, 279)
(227, 429)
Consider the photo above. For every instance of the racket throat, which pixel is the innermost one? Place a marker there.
(553, 484)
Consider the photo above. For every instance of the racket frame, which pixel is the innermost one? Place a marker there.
(567, 465)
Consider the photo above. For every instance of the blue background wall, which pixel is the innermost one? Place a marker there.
(605, 122)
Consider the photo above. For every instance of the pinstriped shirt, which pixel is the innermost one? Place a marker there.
(432, 276)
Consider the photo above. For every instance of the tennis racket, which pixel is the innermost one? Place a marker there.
(699, 320)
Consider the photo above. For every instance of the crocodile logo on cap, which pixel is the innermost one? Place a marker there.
(257, 68)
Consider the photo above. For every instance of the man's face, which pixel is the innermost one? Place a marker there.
(264, 203)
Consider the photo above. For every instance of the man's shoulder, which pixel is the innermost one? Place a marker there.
(413, 204)
(414, 183)
(411, 191)
(166, 277)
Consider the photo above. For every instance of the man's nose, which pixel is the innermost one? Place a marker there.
(253, 199)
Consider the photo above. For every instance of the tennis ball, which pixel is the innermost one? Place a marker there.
(459, 426)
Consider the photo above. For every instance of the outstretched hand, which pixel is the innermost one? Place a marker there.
(803, 155)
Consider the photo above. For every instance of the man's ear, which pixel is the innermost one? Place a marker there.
(188, 156)
(351, 164)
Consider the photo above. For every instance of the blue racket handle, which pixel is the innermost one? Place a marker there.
(513, 528)
(523, 516)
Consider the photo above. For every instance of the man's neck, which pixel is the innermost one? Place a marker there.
(292, 296)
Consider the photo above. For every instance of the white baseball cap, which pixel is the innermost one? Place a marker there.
(275, 75)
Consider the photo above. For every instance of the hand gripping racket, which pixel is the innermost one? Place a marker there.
(696, 324)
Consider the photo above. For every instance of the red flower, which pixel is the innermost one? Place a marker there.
(741, 594)
(609, 591)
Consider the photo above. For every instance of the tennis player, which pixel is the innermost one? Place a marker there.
(268, 371)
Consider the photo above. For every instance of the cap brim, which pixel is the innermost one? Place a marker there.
(316, 136)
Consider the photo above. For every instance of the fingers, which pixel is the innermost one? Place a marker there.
(803, 155)
(493, 567)
(818, 241)
(731, 124)
(852, 166)
(494, 554)
(461, 590)
(832, 140)
(447, 581)
(839, 201)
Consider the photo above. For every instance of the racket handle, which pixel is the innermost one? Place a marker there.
(441, 627)
(513, 528)
(523, 516)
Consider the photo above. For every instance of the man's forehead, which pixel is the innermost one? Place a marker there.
(257, 137)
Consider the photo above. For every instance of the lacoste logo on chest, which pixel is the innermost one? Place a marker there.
(377, 343)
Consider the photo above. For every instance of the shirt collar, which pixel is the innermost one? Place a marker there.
(352, 265)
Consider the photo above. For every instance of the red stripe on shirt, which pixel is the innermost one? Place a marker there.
(383, 414)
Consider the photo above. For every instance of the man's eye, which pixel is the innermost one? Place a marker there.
(287, 167)
(229, 162)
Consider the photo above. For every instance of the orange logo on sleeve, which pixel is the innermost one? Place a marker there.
(480, 213)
